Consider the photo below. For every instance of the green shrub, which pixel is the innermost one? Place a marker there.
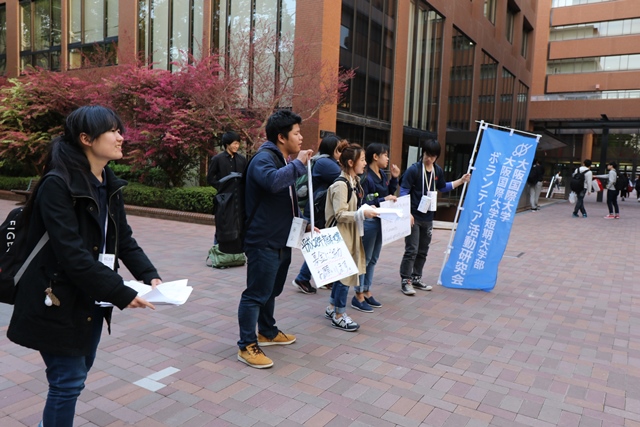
(191, 199)
(186, 199)
(14, 183)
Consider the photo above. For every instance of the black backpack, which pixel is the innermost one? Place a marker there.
(320, 202)
(14, 256)
(577, 180)
(231, 220)
(622, 182)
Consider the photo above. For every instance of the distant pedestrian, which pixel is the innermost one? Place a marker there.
(223, 165)
(623, 185)
(535, 184)
(638, 188)
(227, 161)
(585, 169)
(79, 203)
(612, 193)
(270, 202)
(558, 180)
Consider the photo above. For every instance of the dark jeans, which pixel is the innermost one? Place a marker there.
(266, 272)
(612, 201)
(372, 242)
(416, 248)
(338, 298)
(66, 376)
(580, 203)
(305, 273)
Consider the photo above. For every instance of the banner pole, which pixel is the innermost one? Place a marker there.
(470, 168)
(310, 195)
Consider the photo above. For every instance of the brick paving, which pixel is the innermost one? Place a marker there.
(553, 345)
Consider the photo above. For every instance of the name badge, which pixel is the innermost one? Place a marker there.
(108, 259)
(425, 203)
(298, 227)
(434, 200)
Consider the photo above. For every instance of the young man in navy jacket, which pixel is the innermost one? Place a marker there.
(270, 206)
(422, 181)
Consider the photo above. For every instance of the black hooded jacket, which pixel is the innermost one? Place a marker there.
(69, 264)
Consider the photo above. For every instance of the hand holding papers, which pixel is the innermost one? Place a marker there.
(171, 293)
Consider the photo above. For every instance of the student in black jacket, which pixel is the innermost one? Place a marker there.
(79, 203)
(227, 161)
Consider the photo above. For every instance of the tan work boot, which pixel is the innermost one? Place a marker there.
(280, 339)
(254, 357)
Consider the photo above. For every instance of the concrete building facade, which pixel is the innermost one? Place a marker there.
(424, 69)
(586, 86)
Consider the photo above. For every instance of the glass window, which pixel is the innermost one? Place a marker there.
(595, 29)
(594, 64)
(93, 33)
(170, 30)
(490, 10)
(506, 98)
(511, 18)
(461, 84)
(41, 24)
(367, 40)
(523, 97)
(488, 77)
(423, 69)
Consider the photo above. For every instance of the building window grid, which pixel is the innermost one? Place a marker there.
(506, 98)
(83, 51)
(565, 3)
(487, 97)
(621, 27)
(423, 72)
(367, 45)
(521, 102)
(461, 82)
(40, 44)
(152, 19)
(594, 64)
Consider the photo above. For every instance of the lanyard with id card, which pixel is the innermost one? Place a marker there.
(429, 201)
(107, 259)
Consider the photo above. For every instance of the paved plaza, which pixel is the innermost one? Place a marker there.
(554, 344)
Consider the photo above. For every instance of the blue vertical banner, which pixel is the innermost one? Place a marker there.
(500, 174)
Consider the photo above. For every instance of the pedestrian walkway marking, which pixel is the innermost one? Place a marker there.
(151, 383)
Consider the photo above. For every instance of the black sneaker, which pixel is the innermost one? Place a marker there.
(407, 288)
(361, 306)
(417, 284)
(304, 286)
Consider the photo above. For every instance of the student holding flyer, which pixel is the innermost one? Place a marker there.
(377, 188)
(343, 208)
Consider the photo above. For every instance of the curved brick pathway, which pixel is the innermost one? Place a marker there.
(557, 343)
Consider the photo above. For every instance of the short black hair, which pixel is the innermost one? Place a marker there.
(229, 138)
(614, 165)
(375, 148)
(328, 145)
(587, 162)
(280, 123)
(430, 147)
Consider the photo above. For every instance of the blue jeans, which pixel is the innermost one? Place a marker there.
(266, 273)
(416, 248)
(338, 297)
(66, 376)
(372, 242)
(305, 273)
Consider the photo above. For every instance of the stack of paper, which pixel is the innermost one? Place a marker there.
(171, 293)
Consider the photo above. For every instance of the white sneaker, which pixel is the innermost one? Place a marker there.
(345, 323)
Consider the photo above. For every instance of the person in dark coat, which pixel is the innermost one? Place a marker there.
(78, 202)
(229, 160)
